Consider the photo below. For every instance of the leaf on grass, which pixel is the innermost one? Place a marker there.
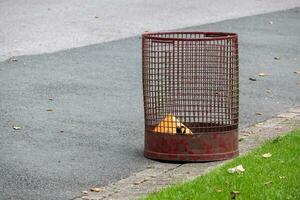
(267, 183)
(297, 72)
(238, 169)
(95, 189)
(234, 194)
(16, 127)
(49, 109)
(218, 190)
(258, 113)
(267, 155)
(282, 177)
(252, 79)
(263, 74)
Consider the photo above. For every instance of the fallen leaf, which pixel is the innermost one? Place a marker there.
(276, 58)
(49, 109)
(50, 98)
(16, 127)
(241, 139)
(12, 60)
(237, 169)
(263, 74)
(95, 189)
(258, 113)
(234, 194)
(252, 79)
(297, 72)
(269, 91)
(84, 192)
(218, 190)
(271, 22)
(267, 155)
(267, 183)
(282, 177)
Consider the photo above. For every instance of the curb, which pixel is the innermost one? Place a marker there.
(160, 175)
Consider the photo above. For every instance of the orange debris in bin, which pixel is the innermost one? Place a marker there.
(171, 125)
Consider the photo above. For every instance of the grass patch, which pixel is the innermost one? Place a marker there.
(276, 177)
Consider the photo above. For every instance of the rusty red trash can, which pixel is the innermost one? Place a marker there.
(191, 95)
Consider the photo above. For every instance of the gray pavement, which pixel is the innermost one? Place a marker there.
(35, 26)
(94, 135)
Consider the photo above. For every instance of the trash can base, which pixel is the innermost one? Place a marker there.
(190, 157)
(192, 148)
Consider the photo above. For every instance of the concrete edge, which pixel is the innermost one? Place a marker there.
(160, 175)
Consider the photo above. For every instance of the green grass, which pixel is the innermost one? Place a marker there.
(277, 177)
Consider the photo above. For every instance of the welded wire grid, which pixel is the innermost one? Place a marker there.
(190, 79)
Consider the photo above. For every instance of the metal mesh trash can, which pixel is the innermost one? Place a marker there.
(191, 95)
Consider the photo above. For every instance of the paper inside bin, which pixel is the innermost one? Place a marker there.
(171, 125)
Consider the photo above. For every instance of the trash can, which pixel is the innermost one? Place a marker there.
(191, 95)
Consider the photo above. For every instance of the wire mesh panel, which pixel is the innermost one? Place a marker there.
(191, 95)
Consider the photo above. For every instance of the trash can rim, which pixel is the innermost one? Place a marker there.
(208, 36)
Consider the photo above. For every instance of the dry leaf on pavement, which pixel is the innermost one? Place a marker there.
(95, 189)
(263, 74)
(297, 72)
(84, 192)
(49, 109)
(12, 60)
(252, 79)
(276, 58)
(258, 113)
(16, 127)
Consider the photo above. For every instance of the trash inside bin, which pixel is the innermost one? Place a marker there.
(191, 95)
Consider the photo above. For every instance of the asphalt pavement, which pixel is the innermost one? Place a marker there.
(33, 26)
(81, 114)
